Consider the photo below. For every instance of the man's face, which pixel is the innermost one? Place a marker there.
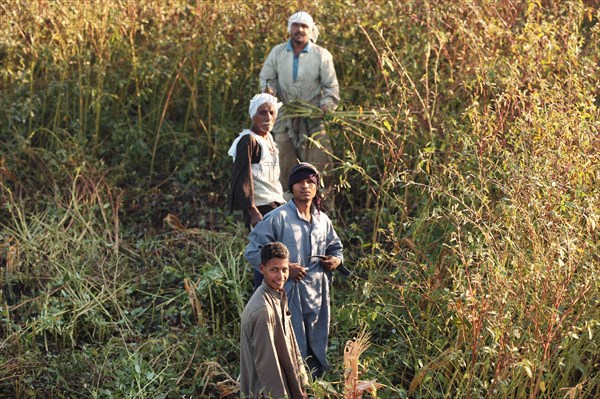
(275, 273)
(304, 190)
(264, 119)
(300, 33)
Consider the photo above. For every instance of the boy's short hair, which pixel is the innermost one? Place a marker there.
(273, 250)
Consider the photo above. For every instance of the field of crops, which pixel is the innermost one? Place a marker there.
(466, 147)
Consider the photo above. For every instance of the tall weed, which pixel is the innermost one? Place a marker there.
(466, 151)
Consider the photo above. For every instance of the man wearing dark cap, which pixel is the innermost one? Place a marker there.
(315, 251)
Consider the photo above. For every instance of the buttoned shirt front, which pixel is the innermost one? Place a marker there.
(312, 79)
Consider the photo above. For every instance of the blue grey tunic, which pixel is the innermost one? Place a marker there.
(309, 298)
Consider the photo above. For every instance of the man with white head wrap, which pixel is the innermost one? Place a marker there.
(302, 17)
(255, 186)
(300, 71)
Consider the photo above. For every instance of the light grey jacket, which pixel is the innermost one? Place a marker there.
(316, 83)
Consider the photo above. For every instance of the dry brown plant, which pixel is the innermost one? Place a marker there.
(354, 387)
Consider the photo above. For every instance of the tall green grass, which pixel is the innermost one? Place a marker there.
(466, 152)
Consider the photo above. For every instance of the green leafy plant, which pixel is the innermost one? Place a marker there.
(467, 170)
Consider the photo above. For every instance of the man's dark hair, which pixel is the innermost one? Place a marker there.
(273, 250)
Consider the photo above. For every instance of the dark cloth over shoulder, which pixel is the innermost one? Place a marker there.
(242, 189)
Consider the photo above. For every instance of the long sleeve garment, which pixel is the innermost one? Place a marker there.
(309, 298)
(255, 177)
(270, 362)
(316, 81)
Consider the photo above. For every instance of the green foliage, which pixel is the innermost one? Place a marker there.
(466, 150)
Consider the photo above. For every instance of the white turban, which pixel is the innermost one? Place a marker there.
(259, 100)
(301, 17)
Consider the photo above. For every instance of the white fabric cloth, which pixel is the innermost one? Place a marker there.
(301, 17)
(259, 100)
(233, 148)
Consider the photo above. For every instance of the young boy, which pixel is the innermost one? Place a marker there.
(270, 362)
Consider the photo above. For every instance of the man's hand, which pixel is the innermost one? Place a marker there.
(255, 215)
(324, 109)
(330, 262)
(297, 272)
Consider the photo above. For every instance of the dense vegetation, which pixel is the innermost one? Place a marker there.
(469, 194)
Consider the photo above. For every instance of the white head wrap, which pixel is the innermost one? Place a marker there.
(302, 17)
(259, 100)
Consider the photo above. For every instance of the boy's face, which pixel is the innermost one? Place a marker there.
(275, 273)
(304, 190)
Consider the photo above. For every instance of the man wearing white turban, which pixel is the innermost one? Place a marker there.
(299, 71)
(255, 186)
